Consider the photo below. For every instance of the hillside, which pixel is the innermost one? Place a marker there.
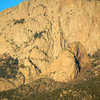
(48, 44)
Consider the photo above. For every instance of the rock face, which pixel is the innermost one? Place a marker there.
(69, 63)
(63, 68)
(81, 58)
(10, 76)
(51, 36)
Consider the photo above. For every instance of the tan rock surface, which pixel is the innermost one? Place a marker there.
(63, 68)
(63, 21)
(6, 84)
(38, 33)
(69, 64)
(80, 54)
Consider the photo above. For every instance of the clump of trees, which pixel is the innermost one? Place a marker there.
(8, 67)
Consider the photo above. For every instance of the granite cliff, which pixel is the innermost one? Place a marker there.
(48, 38)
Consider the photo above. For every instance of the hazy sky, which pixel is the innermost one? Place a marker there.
(8, 3)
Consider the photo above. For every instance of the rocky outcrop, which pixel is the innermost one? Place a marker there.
(10, 76)
(69, 63)
(81, 57)
(95, 59)
(49, 36)
(63, 68)
(50, 24)
(7, 84)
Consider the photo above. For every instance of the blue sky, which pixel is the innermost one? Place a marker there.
(8, 3)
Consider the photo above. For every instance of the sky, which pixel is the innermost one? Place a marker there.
(9, 3)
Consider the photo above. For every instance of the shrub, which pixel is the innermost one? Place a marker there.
(39, 35)
(21, 21)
